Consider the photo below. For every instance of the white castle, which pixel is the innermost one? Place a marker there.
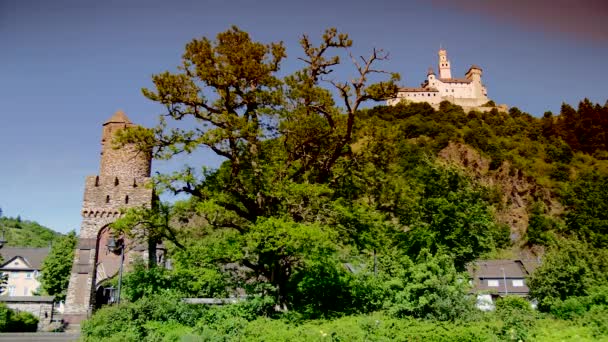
(467, 92)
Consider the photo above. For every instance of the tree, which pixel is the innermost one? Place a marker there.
(432, 288)
(281, 140)
(569, 269)
(57, 266)
(587, 203)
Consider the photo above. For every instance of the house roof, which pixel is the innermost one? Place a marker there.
(32, 256)
(455, 80)
(27, 299)
(417, 90)
(474, 67)
(498, 269)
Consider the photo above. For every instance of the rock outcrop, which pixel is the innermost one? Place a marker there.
(518, 191)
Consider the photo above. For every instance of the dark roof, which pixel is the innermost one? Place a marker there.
(482, 286)
(530, 265)
(410, 90)
(33, 256)
(31, 299)
(455, 80)
(495, 269)
(474, 67)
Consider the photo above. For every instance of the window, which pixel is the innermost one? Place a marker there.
(108, 199)
(28, 275)
(518, 282)
(493, 283)
(26, 291)
(127, 199)
(116, 181)
(11, 290)
(13, 275)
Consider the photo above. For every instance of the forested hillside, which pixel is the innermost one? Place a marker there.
(25, 233)
(333, 221)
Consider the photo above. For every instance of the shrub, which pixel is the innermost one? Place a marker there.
(517, 317)
(433, 289)
(129, 320)
(570, 308)
(11, 321)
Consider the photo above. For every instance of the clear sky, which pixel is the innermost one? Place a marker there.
(67, 66)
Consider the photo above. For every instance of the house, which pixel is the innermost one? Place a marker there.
(22, 265)
(491, 279)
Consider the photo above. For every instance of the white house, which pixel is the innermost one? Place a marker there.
(22, 265)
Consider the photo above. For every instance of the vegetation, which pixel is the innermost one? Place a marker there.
(334, 220)
(11, 321)
(57, 267)
(24, 233)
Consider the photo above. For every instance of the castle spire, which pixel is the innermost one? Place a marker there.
(118, 117)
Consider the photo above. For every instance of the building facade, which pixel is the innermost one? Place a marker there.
(122, 182)
(468, 92)
(22, 266)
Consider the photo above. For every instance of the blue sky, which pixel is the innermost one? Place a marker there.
(66, 66)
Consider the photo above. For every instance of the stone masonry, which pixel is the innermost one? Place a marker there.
(123, 182)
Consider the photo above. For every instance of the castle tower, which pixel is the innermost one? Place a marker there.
(445, 71)
(478, 90)
(121, 183)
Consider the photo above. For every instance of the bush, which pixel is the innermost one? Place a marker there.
(129, 320)
(570, 308)
(517, 317)
(11, 321)
(433, 289)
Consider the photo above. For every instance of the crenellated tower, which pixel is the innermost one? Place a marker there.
(122, 182)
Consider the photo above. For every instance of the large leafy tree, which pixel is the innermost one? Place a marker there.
(587, 203)
(57, 266)
(571, 268)
(281, 139)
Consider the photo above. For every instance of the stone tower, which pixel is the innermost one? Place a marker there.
(123, 175)
(445, 70)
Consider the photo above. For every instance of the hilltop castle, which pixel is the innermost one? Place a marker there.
(468, 92)
(121, 183)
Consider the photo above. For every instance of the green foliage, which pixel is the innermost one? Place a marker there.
(587, 201)
(452, 218)
(432, 289)
(24, 233)
(11, 321)
(517, 317)
(131, 321)
(142, 281)
(571, 269)
(541, 227)
(322, 209)
(57, 266)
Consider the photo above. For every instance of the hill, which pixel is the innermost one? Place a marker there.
(25, 233)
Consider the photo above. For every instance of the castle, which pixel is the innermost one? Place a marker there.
(122, 182)
(468, 92)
